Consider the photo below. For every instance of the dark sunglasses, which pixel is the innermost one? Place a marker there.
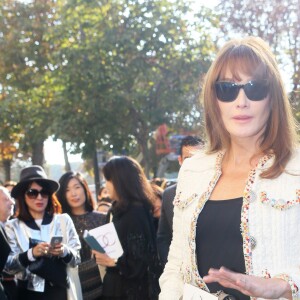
(228, 91)
(33, 193)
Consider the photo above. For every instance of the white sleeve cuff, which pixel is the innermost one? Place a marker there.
(30, 255)
(65, 251)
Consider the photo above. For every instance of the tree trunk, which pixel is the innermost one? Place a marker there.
(141, 134)
(67, 163)
(146, 156)
(7, 169)
(96, 172)
(38, 153)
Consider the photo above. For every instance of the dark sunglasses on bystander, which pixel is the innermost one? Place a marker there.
(228, 91)
(33, 193)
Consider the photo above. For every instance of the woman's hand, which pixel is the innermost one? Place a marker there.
(57, 250)
(271, 288)
(103, 259)
(41, 249)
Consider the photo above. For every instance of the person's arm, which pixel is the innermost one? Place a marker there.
(71, 243)
(171, 282)
(5, 249)
(13, 264)
(270, 288)
(134, 234)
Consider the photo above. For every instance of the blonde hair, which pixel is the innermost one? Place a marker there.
(253, 57)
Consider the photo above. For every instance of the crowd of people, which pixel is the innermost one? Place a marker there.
(65, 210)
(229, 226)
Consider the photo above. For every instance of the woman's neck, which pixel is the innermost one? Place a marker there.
(36, 215)
(242, 155)
(77, 211)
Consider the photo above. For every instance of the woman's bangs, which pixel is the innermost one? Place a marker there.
(242, 60)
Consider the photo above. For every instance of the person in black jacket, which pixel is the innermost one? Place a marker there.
(7, 204)
(5, 250)
(189, 146)
(134, 275)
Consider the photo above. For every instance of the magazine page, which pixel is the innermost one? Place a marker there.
(106, 235)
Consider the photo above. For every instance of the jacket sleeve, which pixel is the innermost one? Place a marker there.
(5, 249)
(71, 240)
(171, 282)
(13, 264)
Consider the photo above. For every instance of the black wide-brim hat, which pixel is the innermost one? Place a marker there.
(30, 174)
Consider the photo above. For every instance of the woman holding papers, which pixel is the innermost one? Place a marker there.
(134, 275)
(30, 235)
(77, 201)
(237, 206)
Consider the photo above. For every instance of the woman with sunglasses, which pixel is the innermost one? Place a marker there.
(77, 201)
(30, 234)
(237, 206)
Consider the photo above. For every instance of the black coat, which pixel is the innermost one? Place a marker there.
(5, 250)
(165, 225)
(136, 275)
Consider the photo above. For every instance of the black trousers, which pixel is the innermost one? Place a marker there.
(2, 294)
(11, 289)
(50, 293)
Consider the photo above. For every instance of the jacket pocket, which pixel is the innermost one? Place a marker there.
(280, 203)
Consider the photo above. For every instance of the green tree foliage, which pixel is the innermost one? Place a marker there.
(100, 74)
(126, 67)
(277, 22)
(24, 64)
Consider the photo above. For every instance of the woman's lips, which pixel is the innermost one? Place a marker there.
(242, 118)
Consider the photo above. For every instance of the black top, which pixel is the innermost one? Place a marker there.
(219, 241)
(136, 274)
(88, 270)
(87, 221)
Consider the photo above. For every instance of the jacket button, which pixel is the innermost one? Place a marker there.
(253, 197)
(252, 242)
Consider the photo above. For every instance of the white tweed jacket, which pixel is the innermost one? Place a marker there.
(270, 223)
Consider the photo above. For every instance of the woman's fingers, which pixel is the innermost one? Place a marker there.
(227, 279)
(41, 249)
(57, 250)
(271, 288)
(102, 259)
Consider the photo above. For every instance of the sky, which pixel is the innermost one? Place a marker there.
(54, 154)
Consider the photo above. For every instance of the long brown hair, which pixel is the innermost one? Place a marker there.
(253, 57)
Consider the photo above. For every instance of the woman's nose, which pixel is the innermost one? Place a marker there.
(242, 99)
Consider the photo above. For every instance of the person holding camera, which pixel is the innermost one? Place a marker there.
(237, 205)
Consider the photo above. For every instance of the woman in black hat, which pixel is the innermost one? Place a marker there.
(30, 234)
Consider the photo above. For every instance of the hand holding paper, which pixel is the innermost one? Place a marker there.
(103, 260)
(92, 242)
